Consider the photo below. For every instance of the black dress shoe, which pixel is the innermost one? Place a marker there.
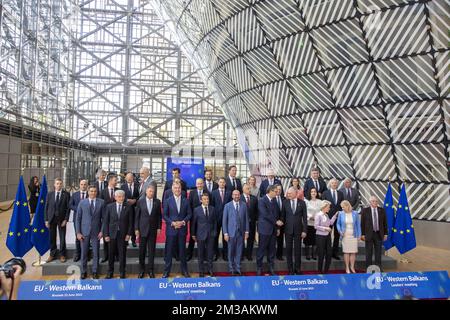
(134, 244)
(249, 258)
(291, 273)
(109, 275)
(258, 272)
(83, 275)
(335, 257)
(76, 259)
(103, 260)
(280, 258)
(186, 275)
(189, 258)
(141, 275)
(272, 272)
(298, 273)
(95, 275)
(123, 275)
(201, 274)
(216, 257)
(151, 274)
(238, 273)
(211, 274)
(225, 258)
(165, 275)
(232, 273)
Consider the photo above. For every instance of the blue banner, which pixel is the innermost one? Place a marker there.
(191, 169)
(364, 286)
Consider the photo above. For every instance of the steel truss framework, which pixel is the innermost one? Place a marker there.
(134, 87)
(359, 88)
(36, 62)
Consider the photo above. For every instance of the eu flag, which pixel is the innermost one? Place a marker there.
(403, 236)
(390, 216)
(40, 236)
(18, 238)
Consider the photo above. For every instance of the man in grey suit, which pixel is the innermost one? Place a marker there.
(88, 227)
(235, 229)
(146, 180)
(350, 194)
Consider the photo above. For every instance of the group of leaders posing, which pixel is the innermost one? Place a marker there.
(226, 208)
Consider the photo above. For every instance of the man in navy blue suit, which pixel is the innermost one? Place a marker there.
(268, 229)
(204, 229)
(235, 230)
(177, 214)
(74, 201)
(195, 200)
(232, 182)
(270, 181)
(219, 198)
(315, 181)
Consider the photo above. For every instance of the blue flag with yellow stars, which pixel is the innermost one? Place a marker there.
(40, 236)
(18, 239)
(403, 236)
(390, 216)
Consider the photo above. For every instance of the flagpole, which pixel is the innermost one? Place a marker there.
(386, 253)
(39, 262)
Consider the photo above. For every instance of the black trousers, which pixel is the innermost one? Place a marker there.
(118, 246)
(224, 243)
(266, 246)
(106, 250)
(148, 243)
(374, 245)
(251, 239)
(293, 248)
(205, 250)
(323, 244)
(280, 243)
(336, 237)
(55, 226)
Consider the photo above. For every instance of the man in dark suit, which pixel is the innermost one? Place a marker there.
(88, 228)
(147, 227)
(204, 233)
(335, 197)
(101, 182)
(252, 209)
(220, 197)
(57, 213)
(176, 174)
(177, 214)
(278, 202)
(232, 182)
(145, 181)
(168, 193)
(294, 217)
(74, 201)
(268, 229)
(350, 194)
(271, 180)
(195, 200)
(117, 229)
(107, 196)
(374, 230)
(131, 196)
(315, 181)
(210, 184)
